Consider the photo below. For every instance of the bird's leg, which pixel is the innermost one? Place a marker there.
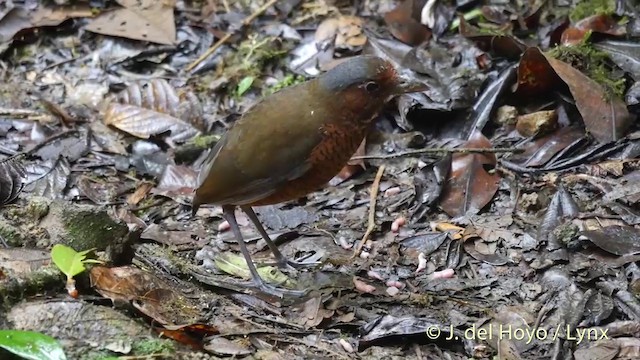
(281, 259)
(229, 215)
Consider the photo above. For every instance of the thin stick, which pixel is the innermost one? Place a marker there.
(224, 39)
(372, 210)
(439, 150)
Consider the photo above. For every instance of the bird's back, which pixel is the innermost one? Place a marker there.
(284, 147)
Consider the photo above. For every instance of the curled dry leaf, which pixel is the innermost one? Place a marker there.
(147, 109)
(12, 177)
(562, 207)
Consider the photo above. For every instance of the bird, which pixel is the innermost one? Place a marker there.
(292, 142)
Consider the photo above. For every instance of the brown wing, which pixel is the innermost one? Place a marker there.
(263, 151)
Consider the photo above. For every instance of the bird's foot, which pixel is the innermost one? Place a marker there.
(284, 263)
(278, 291)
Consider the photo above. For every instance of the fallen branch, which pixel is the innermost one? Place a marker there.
(224, 39)
(437, 151)
(372, 210)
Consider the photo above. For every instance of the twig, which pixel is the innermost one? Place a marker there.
(223, 39)
(49, 140)
(439, 150)
(372, 210)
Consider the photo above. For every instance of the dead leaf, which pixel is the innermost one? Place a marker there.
(404, 22)
(470, 186)
(346, 29)
(599, 23)
(12, 179)
(144, 123)
(13, 22)
(54, 16)
(141, 192)
(537, 152)
(616, 239)
(606, 117)
(535, 75)
(144, 20)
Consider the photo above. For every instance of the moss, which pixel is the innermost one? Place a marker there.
(204, 141)
(87, 229)
(36, 282)
(37, 208)
(251, 59)
(288, 80)
(565, 233)
(594, 63)
(154, 347)
(588, 8)
(423, 300)
(102, 355)
(11, 235)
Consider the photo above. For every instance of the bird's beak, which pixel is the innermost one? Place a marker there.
(406, 85)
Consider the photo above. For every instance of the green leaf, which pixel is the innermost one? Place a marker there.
(31, 345)
(69, 261)
(236, 265)
(244, 85)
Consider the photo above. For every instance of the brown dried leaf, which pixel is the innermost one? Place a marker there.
(600, 23)
(144, 123)
(54, 16)
(139, 20)
(535, 75)
(121, 284)
(346, 29)
(143, 189)
(605, 117)
(469, 186)
(404, 22)
(160, 96)
(178, 177)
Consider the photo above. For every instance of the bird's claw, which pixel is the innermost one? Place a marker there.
(278, 291)
(298, 264)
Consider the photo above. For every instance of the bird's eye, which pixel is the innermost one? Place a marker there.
(371, 86)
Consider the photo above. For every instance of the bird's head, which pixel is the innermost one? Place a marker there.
(364, 83)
